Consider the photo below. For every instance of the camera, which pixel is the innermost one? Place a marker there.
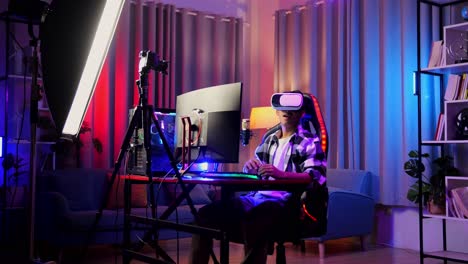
(150, 61)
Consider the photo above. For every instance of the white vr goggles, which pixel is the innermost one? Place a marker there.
(287, 101)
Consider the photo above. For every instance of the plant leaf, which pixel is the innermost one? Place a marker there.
(413, 154)
(412, 167)
(413, 192)
(97, 145)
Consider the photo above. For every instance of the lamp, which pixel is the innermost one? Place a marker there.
(263, 117)
(75, 38)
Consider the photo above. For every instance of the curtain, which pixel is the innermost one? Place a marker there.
(202, 49)
(358, 58)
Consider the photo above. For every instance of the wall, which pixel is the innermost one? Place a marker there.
(3, 6)
(398, 227)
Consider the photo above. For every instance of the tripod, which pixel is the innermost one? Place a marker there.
(144, 114)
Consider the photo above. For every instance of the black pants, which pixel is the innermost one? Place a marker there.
(253, 220)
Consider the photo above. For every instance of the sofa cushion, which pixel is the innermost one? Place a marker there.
(113, 219)
(116, 194)
(83, 188)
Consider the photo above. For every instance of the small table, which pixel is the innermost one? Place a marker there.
(228, 188)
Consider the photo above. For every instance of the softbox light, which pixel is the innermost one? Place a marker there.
(75, 37)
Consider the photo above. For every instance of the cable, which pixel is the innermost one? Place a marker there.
(177, 232)
(17, 43)
(177, 212)
(125, 162)
(156, 199)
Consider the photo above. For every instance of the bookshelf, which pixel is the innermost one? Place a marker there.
(449, 64)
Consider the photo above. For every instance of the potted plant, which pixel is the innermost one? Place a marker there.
(12, 194)
(70, 150)
(433, 188)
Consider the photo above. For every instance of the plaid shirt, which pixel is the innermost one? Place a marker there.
(306, 154)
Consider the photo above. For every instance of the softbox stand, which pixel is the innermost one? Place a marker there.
(34, 118)
(144, 114)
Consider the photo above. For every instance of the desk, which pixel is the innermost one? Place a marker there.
(228, 188)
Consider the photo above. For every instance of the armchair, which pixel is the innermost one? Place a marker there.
(352, 198)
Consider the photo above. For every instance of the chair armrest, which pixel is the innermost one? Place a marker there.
(52, 209)
(52, 206)
(349, 214)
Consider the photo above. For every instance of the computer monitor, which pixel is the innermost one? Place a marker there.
(215, 115)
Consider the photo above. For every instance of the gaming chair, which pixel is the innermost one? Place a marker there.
(312, 121)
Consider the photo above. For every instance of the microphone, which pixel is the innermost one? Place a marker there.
(246, 134)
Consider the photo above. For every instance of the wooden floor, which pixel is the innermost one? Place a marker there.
(339, 251)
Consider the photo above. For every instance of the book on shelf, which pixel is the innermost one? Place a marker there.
(450, 210)
(437, 56)
(459, 202)
(443, 60)
(462, 95)
(462, 88)
(453, 84)
(440, 127)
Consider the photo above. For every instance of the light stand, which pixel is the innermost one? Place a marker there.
(144, 113)
(34, 116)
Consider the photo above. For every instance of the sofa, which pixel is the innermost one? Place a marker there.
(352, 198)
(67, 202)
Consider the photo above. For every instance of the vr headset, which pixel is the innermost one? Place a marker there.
(287, 101)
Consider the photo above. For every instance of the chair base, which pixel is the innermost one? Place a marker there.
(280, 254)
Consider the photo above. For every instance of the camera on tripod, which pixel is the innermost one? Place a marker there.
(150, 61)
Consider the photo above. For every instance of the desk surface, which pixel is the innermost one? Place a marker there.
(228, 188)
(256, 184)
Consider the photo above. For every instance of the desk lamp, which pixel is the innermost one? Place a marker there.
(263, 117)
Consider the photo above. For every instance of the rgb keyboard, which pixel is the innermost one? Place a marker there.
(230, 175)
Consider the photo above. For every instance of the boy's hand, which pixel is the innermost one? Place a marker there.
(252, 165)
(268, 170)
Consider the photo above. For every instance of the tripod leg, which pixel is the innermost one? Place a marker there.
(185, 190)
(147, 145)
(174, 165)
(125, 144)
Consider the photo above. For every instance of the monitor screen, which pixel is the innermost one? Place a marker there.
(215, 117)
